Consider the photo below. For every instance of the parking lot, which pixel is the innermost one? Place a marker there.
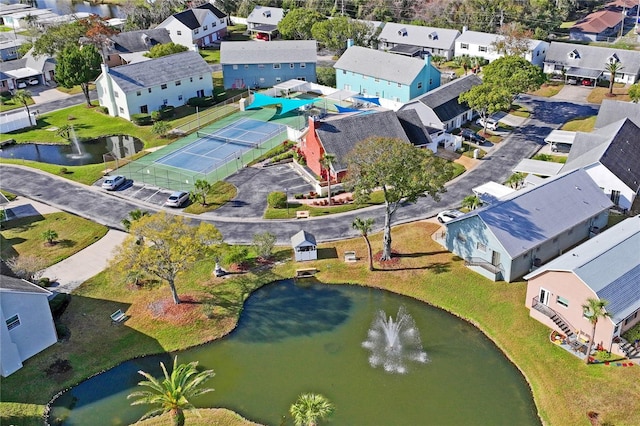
(253, 184)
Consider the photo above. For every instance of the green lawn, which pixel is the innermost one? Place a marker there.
(564, 388)
(24, 236)
(9, 104)
(580, 124)
(221, 192)
(212, 56)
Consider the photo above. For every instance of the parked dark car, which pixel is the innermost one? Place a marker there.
(470, 135)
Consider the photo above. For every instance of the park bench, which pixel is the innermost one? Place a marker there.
(302, 214)
(118, 317)
(350, 256)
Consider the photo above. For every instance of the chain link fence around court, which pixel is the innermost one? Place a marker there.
(147, 169)
(209, 115)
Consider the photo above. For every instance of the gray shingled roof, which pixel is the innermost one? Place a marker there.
(379, 64)
(273, 52)
(11, 284)
(609, 265)
(192, 18)
(301, 237)
(416, 35)
(592, 57)
(259, 15)
(611, 111)
(616, 147)
(488, 39)
(134, 41)
(530, 217)
(413, 127)
(158, 71)
(444, 99)
(338, 137)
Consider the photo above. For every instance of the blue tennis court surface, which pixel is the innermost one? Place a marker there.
(212, 150)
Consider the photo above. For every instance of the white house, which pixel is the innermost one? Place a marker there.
(475, 43)
(304, 246)
(264, 19)
(397, 38)
(26, 324)
(144, 87)
(201, 26)
(611, 157)
(588, 62)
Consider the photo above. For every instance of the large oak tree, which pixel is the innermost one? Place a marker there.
(402, 171)
(78, 67)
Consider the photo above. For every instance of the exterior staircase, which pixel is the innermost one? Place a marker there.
(562, 324)
(628, 348)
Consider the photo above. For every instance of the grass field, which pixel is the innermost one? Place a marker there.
(580, 124)
(598, 94)
(564, 388)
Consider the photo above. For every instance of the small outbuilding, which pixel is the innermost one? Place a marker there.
(304, 246)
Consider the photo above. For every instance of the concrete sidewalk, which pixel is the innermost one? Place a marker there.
(73, 271)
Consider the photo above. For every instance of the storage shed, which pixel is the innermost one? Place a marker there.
(304, 246)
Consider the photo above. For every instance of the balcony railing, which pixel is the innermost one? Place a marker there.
(484, 264)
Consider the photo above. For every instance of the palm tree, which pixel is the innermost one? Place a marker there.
(612, 67)
(471, 202)
(49, 236)
(173, 393)
(325, 162)
(594, 309)
(309, 408)
(24, 97)
(515, 180)
(364, 226)
(463, 61)
(133, 216)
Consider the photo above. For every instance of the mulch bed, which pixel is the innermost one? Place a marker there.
(59, 370)
(187, 311)
(388, 264)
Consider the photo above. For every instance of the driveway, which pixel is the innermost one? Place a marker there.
(95, 204)
(572, 93)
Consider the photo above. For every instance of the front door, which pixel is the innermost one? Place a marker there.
(544, 296)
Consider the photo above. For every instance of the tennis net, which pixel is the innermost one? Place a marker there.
(227, 140)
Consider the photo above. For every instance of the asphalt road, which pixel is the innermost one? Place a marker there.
(109, 209)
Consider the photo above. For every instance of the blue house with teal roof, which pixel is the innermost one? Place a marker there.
(374, 73)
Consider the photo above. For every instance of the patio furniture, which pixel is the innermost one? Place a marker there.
(118, 317)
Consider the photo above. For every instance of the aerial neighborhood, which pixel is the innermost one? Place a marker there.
(191, 185)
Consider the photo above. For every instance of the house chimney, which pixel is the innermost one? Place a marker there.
(427, 59)
(464, 29)
(349, 42)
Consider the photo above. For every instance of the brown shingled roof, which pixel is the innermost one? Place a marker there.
(597, 22)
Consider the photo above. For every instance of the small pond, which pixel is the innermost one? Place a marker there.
(78, 153)
(294, 338)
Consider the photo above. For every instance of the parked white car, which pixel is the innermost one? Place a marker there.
(21, 85)
(111, 183)
(177, 199)
(492, 124)
(448, 215)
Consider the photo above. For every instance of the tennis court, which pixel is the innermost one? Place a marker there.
(213, 153)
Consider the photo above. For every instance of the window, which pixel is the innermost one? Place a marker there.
(196, 31)
(138, 93)
(364, 77)
(200, 78)
(482, 48)
(301, 78)
(562, 301)
(144, 109)
(276, 66)
(303, 65)
(481, 247)
(163, 86)
(165, 101)
(149, 89)
(115, 94)
(179, 32)
(246, 66)
(631, 317)
(178, 83)
(222, 21)
(377, 94)
(344, 72)
(205, 28)
(377, 80)
(464, 46)
(235, 67)
(419, 85)
(364, 91)
(399, 84)
(260, 66)
(13, 322)
(261, 79)
(292, 66)
(121, 110)
(278, 79)
(179, 97)
(388, 83)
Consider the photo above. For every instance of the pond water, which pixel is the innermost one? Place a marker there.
(77, 153)
(294, 338)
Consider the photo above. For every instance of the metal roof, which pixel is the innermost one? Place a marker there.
(560, 136)
(416, 35)
(490, 192)
(583, 72)
(272, 52)
(158, 71)
(538, 167)
(378, 64)
(609, 264)
(302, 237)
(530, 217)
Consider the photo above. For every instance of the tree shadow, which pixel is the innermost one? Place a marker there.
(66, 243)
(414, 255)
(437, 268)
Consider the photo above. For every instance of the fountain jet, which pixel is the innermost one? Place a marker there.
(394, 342)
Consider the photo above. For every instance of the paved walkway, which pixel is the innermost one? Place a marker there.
(73, 271)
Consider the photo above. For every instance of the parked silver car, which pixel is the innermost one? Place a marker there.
(111, 183)
(177, 199)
